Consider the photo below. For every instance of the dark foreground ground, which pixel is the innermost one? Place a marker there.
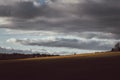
(100, 66)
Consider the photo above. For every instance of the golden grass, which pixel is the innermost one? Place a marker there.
(80, 56)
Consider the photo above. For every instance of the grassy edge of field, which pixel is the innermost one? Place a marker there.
(78, 56)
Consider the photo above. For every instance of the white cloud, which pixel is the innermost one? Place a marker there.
(31, 32)
(5, 21)
(99, 35)
(12, 40)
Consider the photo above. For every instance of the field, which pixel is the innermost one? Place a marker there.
(94, 66)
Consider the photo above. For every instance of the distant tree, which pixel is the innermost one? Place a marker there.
(112, 49)
(74, 53)
(116, 47)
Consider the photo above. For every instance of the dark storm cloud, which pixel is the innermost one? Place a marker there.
(85, 15)
(105, 13)
(20, 10)
(5, 10)
(27, 9)
(24, 10)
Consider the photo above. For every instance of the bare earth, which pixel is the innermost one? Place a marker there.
(98, 66)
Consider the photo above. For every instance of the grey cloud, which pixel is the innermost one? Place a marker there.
(5, 11)
(25, 10)
(99, 35)
(106, 14)
(20, 10)
(28, 9)
(87, 44)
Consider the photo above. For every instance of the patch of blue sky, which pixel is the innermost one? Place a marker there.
(42, 2)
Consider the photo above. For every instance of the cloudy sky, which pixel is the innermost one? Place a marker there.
(64, 26)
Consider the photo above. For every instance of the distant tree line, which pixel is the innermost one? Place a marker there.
(4, 56)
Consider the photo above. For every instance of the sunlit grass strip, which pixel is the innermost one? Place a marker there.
(71, 57)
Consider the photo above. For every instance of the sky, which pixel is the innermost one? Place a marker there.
(59, 26)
